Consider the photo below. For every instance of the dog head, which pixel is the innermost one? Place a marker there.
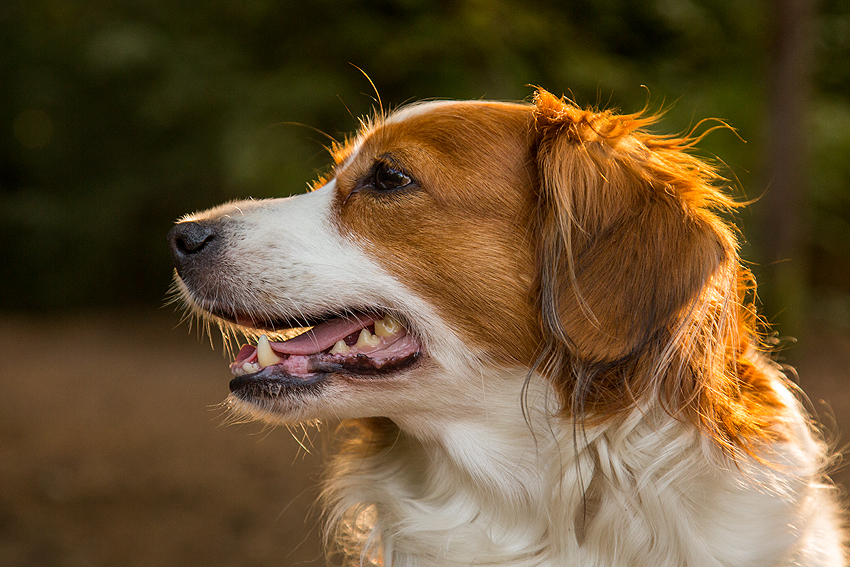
(497, 242)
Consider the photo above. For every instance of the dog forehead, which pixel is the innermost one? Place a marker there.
(420, 108)
(458, 112)
(444, 130)
(375, 132)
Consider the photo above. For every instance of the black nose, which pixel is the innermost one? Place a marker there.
(191, 243)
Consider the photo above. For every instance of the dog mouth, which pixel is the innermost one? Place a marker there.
(357, 344)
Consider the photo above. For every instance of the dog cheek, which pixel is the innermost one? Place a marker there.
(475, 274)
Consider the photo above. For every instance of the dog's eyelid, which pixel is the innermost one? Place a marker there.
(387, 175)
(388, 160)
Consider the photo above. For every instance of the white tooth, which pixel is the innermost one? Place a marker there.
(387, 327)
(250, 368)
(265, 354)
(367, 339)
(340, 348)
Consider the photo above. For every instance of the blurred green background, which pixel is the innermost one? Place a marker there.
(119, 116)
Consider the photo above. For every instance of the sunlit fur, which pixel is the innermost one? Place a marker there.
(635, 211)
(593, 391)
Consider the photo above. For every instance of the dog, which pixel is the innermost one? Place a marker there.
(533, 325)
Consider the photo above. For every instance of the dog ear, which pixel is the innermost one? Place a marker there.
(623, 253)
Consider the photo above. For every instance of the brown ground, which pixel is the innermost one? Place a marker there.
(112, 451)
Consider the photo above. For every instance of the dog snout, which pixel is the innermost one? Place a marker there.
(192, 243)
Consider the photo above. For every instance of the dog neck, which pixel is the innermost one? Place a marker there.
(520, 487)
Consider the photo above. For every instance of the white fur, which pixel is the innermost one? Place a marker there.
(649, 491)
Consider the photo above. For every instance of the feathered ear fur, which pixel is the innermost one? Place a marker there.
(640, 285)
(621, 254)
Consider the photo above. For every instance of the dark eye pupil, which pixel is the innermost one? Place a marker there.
(388, 178)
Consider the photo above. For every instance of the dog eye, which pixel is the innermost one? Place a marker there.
(389, 178)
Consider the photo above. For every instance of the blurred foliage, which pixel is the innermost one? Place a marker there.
(118, 116)
(829, 198)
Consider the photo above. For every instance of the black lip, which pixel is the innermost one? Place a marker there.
(270, 382)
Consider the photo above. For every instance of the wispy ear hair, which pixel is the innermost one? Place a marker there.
(640, 287)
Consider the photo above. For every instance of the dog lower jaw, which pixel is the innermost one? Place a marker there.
(303, 365)
(275, 395)
(274, 381)
(268, 384)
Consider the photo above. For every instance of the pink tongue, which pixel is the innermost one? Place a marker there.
(322, 336)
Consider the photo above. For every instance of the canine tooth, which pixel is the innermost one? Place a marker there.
(265, 354)
(367, 339)
(340, 348)
(387, 327)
